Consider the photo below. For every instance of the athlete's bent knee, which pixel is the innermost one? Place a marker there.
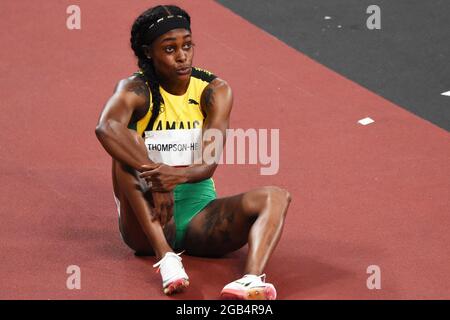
(278, 193)
(279, 196)
(258, 200)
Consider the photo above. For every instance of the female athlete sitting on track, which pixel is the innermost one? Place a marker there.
(167, 202)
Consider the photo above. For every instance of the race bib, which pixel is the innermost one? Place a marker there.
(174, 147)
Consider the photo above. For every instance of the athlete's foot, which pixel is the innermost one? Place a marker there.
(174, 277)
(249, 287)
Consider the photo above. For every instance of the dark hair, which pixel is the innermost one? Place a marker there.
(138, 36)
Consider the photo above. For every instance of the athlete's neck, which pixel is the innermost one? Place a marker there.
(177, 88)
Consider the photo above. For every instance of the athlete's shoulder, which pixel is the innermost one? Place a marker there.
(203, 74)
(133, 92)
(217, 95)
(135, 83)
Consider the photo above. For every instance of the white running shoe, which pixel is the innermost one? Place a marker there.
(249, 287)
(172, 272)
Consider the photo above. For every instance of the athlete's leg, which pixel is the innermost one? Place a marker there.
(138, 230)
(227, 224)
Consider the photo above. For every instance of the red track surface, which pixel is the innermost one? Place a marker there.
(362, 195)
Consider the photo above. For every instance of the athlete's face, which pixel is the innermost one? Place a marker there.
(172, 54)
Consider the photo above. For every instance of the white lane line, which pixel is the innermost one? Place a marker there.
(446, 93)
(366, 121)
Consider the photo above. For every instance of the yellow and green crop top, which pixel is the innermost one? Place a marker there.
(177, 112)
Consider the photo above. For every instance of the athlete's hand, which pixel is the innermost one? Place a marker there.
(150, 166)
(163, 178)
(163, 207)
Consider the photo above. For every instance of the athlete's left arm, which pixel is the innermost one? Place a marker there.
(216, 102)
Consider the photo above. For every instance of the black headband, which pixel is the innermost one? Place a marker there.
(166, 24)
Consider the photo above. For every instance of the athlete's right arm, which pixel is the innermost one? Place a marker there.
(130, 98)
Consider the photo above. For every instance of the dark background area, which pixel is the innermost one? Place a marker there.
(406, 61)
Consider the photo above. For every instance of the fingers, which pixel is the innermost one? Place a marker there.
(156, 213)
(159, 213)
(149, 173)
(163, 216)
(163, 205)
(150, 166)
(168, 209)
(156, 185)
(157, 207)
(169, 213)
(160, 189)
